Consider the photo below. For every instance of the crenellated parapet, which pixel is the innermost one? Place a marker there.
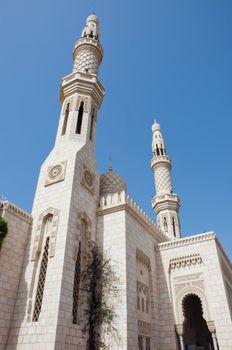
(7, 206)
(110, 203)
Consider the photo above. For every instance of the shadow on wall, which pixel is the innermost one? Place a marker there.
(168, 338)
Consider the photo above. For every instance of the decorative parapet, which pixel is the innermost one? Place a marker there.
(186, 241)
(185, 261)
(7, 206)
(121, 201)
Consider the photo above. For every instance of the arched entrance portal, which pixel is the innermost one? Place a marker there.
(196, 334)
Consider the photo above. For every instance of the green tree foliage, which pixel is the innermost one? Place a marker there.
(99, 288)
(3, 230)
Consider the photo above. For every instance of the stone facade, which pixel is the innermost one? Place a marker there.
(161, 275)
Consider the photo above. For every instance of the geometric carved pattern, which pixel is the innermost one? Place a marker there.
(185, 261)
(41, 283)
(76, 285)
(39, 234)
(163, 180)
(86, 61)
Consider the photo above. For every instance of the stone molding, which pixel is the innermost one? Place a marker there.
(185, 261)
(83, 84)
(186, 241)
(5, 205)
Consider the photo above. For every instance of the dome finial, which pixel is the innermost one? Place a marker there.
(110, 164)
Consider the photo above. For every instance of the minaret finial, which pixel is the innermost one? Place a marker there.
(110, 164)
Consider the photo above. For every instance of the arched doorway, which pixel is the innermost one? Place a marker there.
(196, 334)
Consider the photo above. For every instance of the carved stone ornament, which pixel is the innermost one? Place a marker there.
(88, 180)
(144, 327)
(185, 261)
(55, 173)
(86, 103)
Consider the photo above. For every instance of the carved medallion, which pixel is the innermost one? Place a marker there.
(87, 179)
(55, 173)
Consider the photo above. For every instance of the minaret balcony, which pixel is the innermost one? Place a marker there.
(160, 159)
(165, 201)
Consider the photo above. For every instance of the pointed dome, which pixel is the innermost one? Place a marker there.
(111, 183)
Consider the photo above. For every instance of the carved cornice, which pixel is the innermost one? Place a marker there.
(83, 83)
(185, 261)
(186, 241)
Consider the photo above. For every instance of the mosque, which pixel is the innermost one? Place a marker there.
(175, 292)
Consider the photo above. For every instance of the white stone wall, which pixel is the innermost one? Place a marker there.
(11, 260)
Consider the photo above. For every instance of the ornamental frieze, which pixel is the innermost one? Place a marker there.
(185, 261)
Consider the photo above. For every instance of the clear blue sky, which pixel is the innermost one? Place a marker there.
(168, 60)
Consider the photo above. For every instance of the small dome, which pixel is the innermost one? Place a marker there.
(111, 182)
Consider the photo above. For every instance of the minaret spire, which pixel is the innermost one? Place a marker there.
(166, 203)
(81, 91)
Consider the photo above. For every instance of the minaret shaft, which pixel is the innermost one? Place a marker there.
(64, 209)
(166, 203)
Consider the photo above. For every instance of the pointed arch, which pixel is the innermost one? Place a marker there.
(79, 118)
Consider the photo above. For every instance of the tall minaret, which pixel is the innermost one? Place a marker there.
(64, 211)
(166, 204)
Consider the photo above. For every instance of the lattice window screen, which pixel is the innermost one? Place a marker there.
(140, 342)
(148, 343)
(76, 285)
(41, 282)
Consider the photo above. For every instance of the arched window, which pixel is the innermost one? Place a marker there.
(45, 237)
(138, 303)
(142, 304)
(147, 306)
(157, 150)
(174, 226)
(91, 126)
(165, 224)
(79, 118)
(41, 282)
(65, 120)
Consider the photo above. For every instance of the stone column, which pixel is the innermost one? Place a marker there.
(180, 333)
(212, 330)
